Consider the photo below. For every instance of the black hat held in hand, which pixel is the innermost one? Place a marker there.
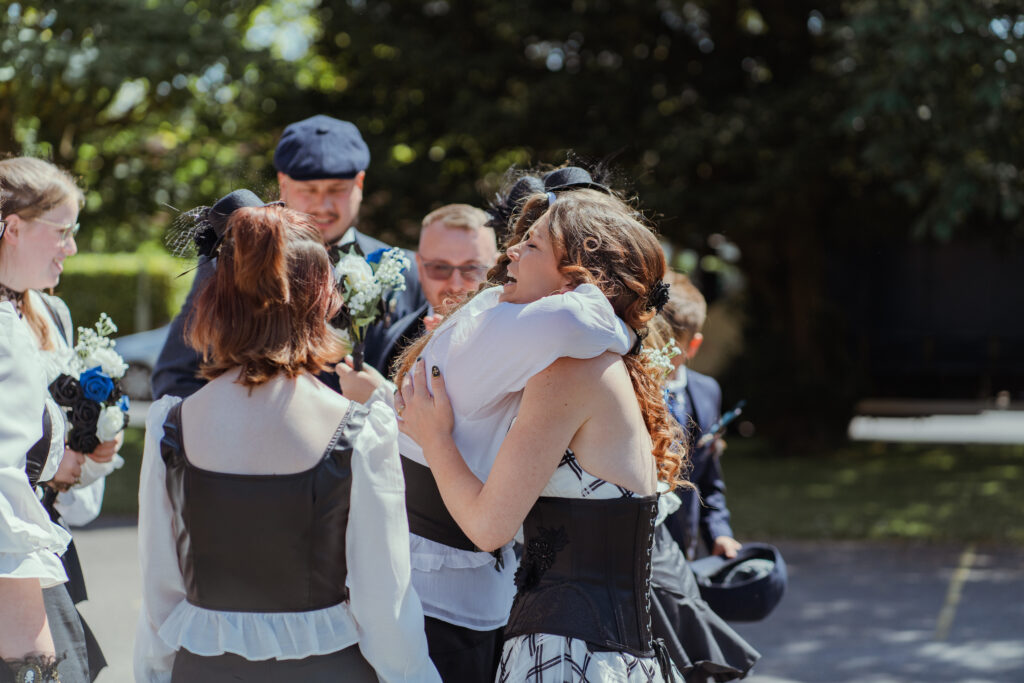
(745, 588)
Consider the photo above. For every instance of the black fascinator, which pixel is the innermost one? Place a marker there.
(204, 226)
(505, 203)
(572, 178)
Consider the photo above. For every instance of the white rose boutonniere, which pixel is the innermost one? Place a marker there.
(369, 287)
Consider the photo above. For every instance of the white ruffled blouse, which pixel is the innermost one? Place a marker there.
(487, 350)
(383, 614)
(30, 544)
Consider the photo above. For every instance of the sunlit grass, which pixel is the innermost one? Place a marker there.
(922, 492)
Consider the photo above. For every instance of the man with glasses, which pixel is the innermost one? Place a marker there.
(456, 250)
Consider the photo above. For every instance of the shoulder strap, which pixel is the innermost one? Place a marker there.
(58, 321)
(171, 445)
(344, 436)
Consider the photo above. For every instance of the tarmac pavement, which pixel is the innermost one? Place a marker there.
(853, 611)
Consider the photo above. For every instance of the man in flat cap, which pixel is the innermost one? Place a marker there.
(321, 166)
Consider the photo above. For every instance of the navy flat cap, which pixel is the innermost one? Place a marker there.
(745, 588)
(321, 147)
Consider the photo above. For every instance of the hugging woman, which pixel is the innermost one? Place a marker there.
(579, 467)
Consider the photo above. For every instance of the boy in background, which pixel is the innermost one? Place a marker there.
(695, 400)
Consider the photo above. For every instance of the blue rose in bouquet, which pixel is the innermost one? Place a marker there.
(88, 388)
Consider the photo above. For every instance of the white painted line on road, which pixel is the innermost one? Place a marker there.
(956, 586)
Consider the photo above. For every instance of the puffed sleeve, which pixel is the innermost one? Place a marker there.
(522, 339)
(162, 585)
(386, 608)
(30, 544)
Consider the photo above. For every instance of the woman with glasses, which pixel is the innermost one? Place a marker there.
(40, 205)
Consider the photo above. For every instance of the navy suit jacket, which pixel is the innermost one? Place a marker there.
(384, 343)
(177, 368)
(704, 513)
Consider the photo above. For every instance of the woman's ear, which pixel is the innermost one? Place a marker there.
(15, 227)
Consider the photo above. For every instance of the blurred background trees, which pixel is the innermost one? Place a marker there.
(855, 165)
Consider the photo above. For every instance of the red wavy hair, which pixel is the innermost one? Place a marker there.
(265, 308)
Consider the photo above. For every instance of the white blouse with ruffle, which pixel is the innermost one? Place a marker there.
(383, 614)
(30, 544)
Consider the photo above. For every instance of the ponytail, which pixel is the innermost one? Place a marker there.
(257, 263)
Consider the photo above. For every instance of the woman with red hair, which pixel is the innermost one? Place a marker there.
(272, 529)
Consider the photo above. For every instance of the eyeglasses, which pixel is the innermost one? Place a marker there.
(437, 270)
(67, 230)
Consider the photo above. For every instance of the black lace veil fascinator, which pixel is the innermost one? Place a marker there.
(200, 231)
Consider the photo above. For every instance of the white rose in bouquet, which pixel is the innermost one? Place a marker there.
(109, 360)
(110, 423)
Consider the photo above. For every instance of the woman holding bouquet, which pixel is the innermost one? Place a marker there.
(579, 468)
(29, 542)
(40, 205)
(251, 569)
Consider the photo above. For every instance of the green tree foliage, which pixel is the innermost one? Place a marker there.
(798, 129)
(149, 103)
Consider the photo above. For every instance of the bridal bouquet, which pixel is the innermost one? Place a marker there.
(88, 388)
(369, 286)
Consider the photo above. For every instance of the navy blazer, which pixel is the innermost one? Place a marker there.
(177, 368)
(384, 343)
(698, 411)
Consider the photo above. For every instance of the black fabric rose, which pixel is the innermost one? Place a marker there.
(539, 556)
(658, 296)
(66, 391)
(84, 416)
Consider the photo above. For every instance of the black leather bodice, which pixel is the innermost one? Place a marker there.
(262, 543)
(586, 572)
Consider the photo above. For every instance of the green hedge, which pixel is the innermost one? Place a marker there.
(139, 291)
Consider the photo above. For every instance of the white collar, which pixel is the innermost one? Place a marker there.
(348, 238)
(677, 381)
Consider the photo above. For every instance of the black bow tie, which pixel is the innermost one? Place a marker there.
(336, 251)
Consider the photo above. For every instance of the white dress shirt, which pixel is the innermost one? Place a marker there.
(487, 351)
(30, 544)
(383, 614)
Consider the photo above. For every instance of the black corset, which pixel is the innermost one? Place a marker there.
(262, 543)
(586, 572)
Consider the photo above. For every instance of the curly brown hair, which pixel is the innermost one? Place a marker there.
(600, 239)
